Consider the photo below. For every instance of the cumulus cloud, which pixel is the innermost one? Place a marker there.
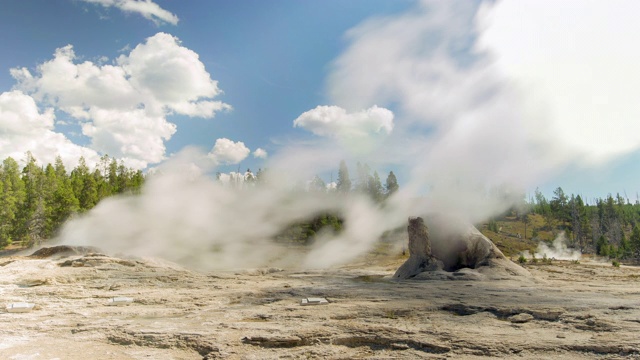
(23, 127)
(171, 76)
(260, 153)
(228, 152)
(147, 8)
(123, 107)
(334, 121)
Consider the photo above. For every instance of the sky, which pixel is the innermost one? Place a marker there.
(530, 93)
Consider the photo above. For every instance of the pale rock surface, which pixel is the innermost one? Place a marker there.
(580, 311)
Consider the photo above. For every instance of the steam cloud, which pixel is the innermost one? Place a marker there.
(186, 216)
(461, 127)
(558, 250)
(476, 142)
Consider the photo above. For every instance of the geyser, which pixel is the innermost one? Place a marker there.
(452, 245)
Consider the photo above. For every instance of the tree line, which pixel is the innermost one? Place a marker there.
(365, 182)
(608, 227)
(35, 200)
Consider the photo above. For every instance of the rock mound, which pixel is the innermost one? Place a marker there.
(63, 250)
(420, 258)
(454, 246)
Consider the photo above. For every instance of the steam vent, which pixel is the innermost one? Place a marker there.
(453, 249)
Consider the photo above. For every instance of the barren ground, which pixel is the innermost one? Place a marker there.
(566, 310)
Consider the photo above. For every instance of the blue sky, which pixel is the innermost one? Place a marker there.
(499, 92)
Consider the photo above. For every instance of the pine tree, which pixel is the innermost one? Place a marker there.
(317, 185)
(624, 248)
(84, 186)
(391, 185)
(344, 182)
(112, 177)
(50, 186)
(559, 206)
(136, 181)
(65, 203)
(362, 182)
(11, 199)
(32, 222)
(634, 241)
(602, 246)
(374, 187)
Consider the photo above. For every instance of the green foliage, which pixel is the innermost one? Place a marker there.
(365, 182)
(605, 227)
(374, 188)
(391, 184)
(522, 259)
(559, 206)
(602, 246)
(11, 201)
(624, 250)
(493, 225)
(615, 263)
(304, 232)
(634, 241)
(37, 200)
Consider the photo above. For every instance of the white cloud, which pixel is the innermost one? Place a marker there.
(579, 59)
(75, 87)
(24, 128)
(123, 107)
(172, 75)
(334, 121)
(133, 135)
(260, 153)
(147, 8)
(227, 152)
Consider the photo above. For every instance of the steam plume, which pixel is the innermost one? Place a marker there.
(461, 129)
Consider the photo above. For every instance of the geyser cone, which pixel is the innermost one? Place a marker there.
(452, 245)
(420, 258)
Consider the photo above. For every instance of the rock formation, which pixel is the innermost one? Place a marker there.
(63, 250)
(420, 258)
(454, 246)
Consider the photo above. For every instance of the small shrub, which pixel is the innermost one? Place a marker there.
(576, 262)
(493, 226)
(534, 260)
(615, 263)
(522, 259)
